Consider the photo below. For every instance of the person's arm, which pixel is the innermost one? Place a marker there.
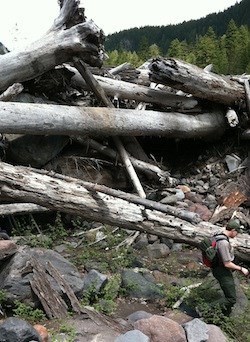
(233, 266)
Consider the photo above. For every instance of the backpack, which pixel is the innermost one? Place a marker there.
(209, 249)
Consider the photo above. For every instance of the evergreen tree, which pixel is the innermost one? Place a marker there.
(232, 43)
(207, 49)
(222, 61)
(154, 51)
(178, 49)
(143, 51)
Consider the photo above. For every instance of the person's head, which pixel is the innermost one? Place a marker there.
(233, 227)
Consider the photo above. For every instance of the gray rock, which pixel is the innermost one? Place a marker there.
(136, 316)
(136, 286)
(158, 250)
(132, 336)
(196, 330)
(94, 281)
(35, 150)
(15, 274)
(17, 330)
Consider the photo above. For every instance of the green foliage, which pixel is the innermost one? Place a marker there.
(57, 231)
(131, 39)
(27, 313)
(228, 53)
(105, 300)
(205, 299)
(65, 329)
(32, 234)
(114, 260)
(2, 297)
(172, 293)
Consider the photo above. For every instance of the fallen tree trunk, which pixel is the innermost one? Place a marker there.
(20, 209)
(69, 195)
(131, 91)
(33, 118)
(196, 81)
(58, 46)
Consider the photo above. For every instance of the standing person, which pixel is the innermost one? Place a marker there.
(223, 269)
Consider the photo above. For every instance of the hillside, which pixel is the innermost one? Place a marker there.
(163, 35)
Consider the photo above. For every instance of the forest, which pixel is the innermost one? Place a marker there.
(162, 36)
(225, 43)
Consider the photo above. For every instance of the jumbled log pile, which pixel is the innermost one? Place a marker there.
(52, 98)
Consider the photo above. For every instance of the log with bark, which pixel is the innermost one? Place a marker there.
(70, 195)
(196, 81)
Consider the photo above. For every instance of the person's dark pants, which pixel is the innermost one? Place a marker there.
(226, 281)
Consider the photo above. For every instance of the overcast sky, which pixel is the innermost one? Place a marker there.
(23, 21)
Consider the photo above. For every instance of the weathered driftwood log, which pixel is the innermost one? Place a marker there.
(131, 91)
(58, 46)
(11, 92)
(20, 209)
(71, 120)
(69, 195)
(196, 81)
(53, 304)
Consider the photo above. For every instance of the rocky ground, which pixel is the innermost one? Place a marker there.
(205, 175)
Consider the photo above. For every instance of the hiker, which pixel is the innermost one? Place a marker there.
(222, 271)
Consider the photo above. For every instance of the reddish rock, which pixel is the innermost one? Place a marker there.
(7, 248)
(159, 329)
(42, 331)
(200, 209)
(215, 334)
(184, 188)
(194, 197)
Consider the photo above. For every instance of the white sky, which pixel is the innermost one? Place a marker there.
(23, 21)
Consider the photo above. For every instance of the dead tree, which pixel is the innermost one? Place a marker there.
(131, 91)
(30, 118)
(22, 184)
(196, 81)
(64, 40)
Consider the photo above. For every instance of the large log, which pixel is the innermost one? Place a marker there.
(58, 46)
(131, 91)
(196, 81)
(33, 118)
(69, 195)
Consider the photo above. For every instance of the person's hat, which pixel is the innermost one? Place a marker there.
(234, 224)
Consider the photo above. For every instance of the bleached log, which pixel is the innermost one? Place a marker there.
(11, 92)
(33, 118)
(71, 196)
(232, 117)
(247, 92)
(126, 90)
(119, 68)
(196, 81)
(20, 209)
(58, 46)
